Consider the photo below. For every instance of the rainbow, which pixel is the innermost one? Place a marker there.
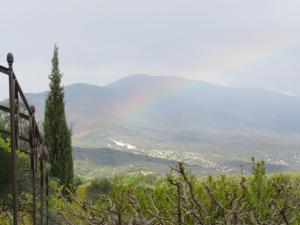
(230, 65)
(148, 99)
(233, 62)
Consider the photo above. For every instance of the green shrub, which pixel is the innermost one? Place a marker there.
(182, 198)
(23, 171)
(98, 187)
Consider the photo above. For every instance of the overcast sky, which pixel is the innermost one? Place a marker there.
(244, 43)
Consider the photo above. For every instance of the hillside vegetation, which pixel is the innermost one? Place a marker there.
(181, 198)
(175, 199)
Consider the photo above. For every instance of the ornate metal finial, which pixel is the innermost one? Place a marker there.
(32, 108)
(10, 58)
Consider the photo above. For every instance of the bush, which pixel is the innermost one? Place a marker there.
(182, 198)
(23, 170)
(98, 187)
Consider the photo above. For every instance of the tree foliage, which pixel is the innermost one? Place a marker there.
(181, 198)
(23, 171)
(98, 187)
(56, 131)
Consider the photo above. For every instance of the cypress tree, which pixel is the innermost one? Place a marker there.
(57, 134)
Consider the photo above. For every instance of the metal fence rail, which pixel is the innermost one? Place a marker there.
(36, 152)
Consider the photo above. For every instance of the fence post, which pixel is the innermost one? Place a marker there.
(33, 161)
(13, 130)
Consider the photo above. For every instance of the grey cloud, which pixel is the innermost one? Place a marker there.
(101, 41)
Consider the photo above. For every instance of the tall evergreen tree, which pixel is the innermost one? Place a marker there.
(56, 131)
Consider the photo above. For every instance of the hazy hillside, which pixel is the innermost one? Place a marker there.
(175, 101)
(106, 162)
(175, 114)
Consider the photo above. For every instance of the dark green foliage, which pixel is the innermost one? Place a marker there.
(98, 187)
(56, 131)
(77, 181)
(23, 171)
(4, 167)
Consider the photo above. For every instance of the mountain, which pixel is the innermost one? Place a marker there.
(179, 115)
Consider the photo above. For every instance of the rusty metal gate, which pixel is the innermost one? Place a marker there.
(36, 150)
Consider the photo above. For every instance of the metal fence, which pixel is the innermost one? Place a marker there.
(36, 151)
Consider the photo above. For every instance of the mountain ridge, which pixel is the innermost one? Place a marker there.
(171, 113)
(84, 84)
(173, 94)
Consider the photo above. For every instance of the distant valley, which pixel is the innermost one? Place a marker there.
(212, 128)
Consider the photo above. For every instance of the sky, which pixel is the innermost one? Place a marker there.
(254, 43)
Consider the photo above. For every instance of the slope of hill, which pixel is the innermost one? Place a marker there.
(107, 162)
(175, 114)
